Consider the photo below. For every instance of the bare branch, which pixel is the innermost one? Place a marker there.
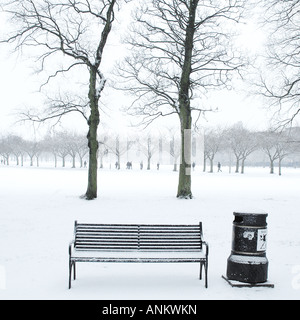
(158, 40)
(280, 85)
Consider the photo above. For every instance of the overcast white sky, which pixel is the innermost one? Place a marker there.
(18, 87)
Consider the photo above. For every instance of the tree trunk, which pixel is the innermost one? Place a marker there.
(243, 166)
(148, 162)
(271, 166)
(118, 166)
(101, 162)
(175, 166)
(184, 184)
(55, 161)
(211, 161)
(73, 161)
(94, 95)
(279, 166)
(93, 123)
(237, 166)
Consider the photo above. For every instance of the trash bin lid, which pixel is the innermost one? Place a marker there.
(247, 212)
(250, 218)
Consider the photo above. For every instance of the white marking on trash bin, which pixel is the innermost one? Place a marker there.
(261, 240)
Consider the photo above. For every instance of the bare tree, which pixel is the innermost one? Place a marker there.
(280, 83)
(284, 149)
(212, 143)
(51, 145)
(71, 147)
(62, 148)
(34, 150)
(102, 151)
(81, 148)
(242, 143)
(76, 32)
(172, 143)
(276, 145)
(62, 144)
(148, 147)
(294, 139)
(180, 49)
(118, 147)
(16, 145)
(5, 149)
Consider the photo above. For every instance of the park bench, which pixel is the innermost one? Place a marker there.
(137, 243)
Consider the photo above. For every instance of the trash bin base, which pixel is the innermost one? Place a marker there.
(249, 269)
(237, 284)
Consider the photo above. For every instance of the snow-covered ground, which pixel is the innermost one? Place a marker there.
(39, 206)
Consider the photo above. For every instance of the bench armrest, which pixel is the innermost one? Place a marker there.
(206, 248)
(71, 246)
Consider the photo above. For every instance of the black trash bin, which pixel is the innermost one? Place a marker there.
(248, 262)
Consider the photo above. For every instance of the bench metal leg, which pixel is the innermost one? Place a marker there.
(71, 266)
(70, 273)
(74, 266)
(206, 269)
(205, 265)
(200, 275)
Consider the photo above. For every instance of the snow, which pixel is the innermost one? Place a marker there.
(39, 206)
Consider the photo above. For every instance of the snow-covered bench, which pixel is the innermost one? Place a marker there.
(137, 243)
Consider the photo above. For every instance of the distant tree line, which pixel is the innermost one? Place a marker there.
(239, 144)
(233, 146)
(66, 145)
(59, 145)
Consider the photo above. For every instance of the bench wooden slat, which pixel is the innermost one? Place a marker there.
(97, 248)
(146, 237)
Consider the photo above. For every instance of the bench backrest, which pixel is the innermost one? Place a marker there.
(124, 237)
